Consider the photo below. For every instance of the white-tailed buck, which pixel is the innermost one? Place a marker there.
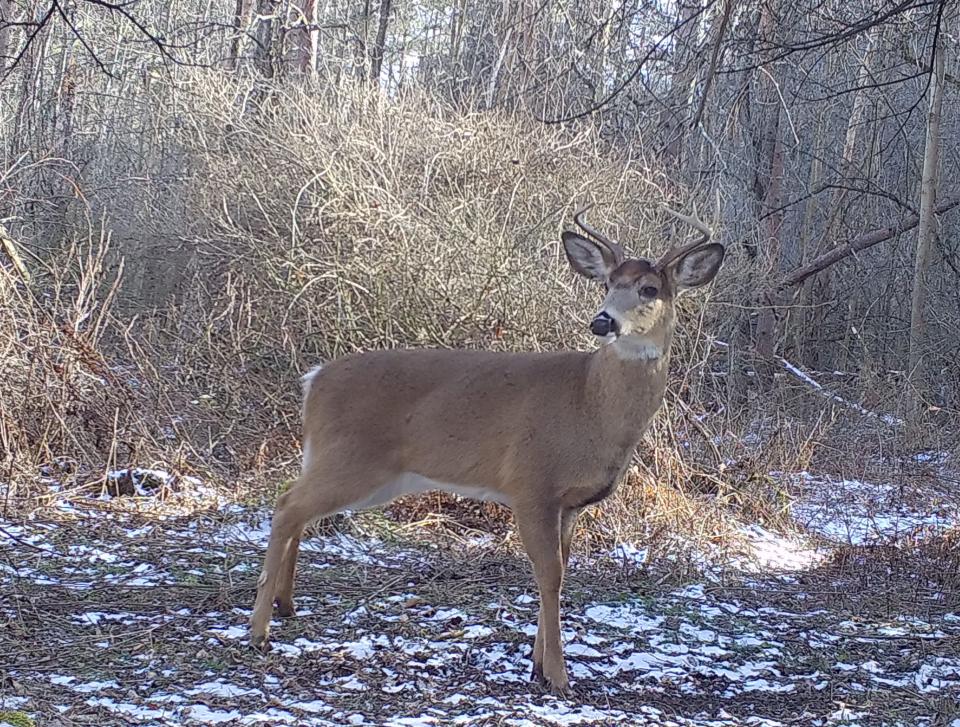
(545, 433)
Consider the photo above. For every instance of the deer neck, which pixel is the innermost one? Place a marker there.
(629, 375)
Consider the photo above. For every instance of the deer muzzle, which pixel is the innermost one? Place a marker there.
(604, 325)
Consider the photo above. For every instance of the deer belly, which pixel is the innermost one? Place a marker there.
(411, 483)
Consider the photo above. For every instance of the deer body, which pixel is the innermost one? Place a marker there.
(476, 423)
(545, 433)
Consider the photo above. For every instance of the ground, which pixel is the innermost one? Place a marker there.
(125, 611)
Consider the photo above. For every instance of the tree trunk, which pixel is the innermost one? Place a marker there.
(799, 319)
(379, 44)
(722, 21)
(495, 75)
(233, 55)
(263, 33)
(767, 320)
(926, 227)
(6, 18)
(676, 113)
(305, 38)
(457, 10)
(823, 356)
(769, 175)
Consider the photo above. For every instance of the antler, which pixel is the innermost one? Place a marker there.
(680, 250)
(614, 247)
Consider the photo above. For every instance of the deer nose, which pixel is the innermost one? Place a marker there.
(604, 325)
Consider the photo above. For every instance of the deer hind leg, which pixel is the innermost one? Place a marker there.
(318, 493)
(539, 528)
(286, 577)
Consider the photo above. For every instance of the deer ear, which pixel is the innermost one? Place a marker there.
(698, 267)
(587, 257)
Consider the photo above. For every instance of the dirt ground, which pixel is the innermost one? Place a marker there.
(126, 613)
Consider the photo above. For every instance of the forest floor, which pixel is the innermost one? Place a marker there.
(132, 611)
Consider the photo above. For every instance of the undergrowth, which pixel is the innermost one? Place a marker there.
(305, 229)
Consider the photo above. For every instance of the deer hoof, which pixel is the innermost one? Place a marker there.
(286, 609)
(558, 685)
(559, 690)
(260, 642)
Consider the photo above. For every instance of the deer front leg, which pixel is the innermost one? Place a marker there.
(539, 528)
(568, 520)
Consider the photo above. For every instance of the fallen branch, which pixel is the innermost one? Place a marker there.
(869, 239)
(833, 396)
(798, 374)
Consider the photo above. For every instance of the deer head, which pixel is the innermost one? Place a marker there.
(641, 294)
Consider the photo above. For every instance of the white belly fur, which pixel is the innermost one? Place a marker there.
(410, 483)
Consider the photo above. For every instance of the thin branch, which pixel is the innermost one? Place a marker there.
(712, 69)
(79, 37)
(633, 74)
(121, 8)
(40, 25)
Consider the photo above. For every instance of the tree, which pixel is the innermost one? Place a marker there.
(926, 229)
(380, 43)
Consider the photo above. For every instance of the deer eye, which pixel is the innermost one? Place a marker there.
(649, 291)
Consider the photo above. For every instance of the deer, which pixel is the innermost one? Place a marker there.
(545, 433)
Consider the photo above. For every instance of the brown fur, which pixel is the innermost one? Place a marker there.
(630, 271)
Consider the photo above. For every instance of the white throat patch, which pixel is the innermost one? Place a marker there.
(636, 348)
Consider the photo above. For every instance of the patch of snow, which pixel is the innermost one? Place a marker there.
(858, 513)
(126, 708)
(844, 716)
(768, 551)
(695, 591)
(352, 684)
(476, 631)
(448, 614)
(627, 616)
(583, 651)
(222, 689)
(94, 618)
(355, 616)
(229, 632)
(629, 553)
(271, 717)
(930, 457)
(206, 715)
(83, 687)
(562, 713)
(762, 685)
(92, 555)
(937, 674)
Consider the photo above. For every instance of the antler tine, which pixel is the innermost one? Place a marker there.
(679, 250)
(614, 247)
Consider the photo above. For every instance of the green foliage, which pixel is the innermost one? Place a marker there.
(16, 719)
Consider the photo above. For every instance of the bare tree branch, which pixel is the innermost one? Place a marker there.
(869, 239)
